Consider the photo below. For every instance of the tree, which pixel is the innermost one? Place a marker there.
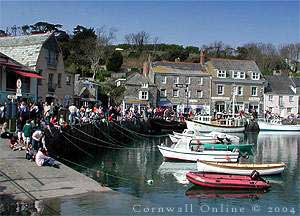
(25, 29)
(138, 39)
(3, 33)
(44, 27)
(115, 61)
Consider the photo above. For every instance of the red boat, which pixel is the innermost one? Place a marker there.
(254, 181)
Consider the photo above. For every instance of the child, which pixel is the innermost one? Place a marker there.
(27, 133)
(30, 153)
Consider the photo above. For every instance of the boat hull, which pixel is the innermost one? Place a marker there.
(236, 169)
(204, 127)
(266, 126)
(193, 156)
(225, 181)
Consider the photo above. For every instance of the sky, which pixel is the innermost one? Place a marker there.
(181, 22)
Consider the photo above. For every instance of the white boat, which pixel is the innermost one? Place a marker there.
(208, 127)
(240, 169)
(212, 137)
(182, 151)
(277, 126)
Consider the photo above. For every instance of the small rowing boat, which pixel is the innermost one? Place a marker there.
(213, 180)
(240, 168)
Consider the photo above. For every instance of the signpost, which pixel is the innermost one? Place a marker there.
(19, 90)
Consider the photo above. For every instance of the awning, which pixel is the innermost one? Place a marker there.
(29, 74)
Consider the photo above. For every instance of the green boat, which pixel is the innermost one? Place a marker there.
(224, 147)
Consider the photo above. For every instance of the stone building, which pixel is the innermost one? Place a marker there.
(241, 77)
(41, 53)
(140, 92)
(181, 85)
(281, 95)
(10, 72)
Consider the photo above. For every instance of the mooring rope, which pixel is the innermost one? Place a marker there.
(109, 137)
(140, 134)
(102, 146)
(100, 140)
(137, 136)
(90, 155)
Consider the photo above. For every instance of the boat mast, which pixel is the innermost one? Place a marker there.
(233, 100)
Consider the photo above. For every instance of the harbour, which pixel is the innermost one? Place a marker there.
(170, 188)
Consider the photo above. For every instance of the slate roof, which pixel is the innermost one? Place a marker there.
(137, 79)
(178, 68)
(232, 64)
(296, 81)
(279, 84)
(24, 49)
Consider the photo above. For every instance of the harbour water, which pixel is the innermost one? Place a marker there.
(148, 185)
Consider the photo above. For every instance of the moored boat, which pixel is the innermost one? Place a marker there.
(277, 126)
(228, 147)
(183, 151)
(213, 137)
(213, 180)
(208, 127)
(240, 169)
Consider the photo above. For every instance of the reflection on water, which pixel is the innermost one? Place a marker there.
(129, 171)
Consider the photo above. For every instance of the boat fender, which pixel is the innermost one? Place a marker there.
(255, 175)
(227, 158)
(235, 150)
(150, 182)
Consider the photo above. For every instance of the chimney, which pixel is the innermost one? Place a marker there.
(202, 57)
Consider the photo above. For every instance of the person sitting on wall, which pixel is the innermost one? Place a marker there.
(42, 159)
(4, 131)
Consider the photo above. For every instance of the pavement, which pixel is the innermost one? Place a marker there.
(23, 180)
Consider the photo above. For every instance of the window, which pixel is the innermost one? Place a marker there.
(239, 90)
(164, 80)
(280, 100)
(51, 58)
(143, 95)
(255, 76)
(201, 81)
(163, 93)
(199, 94)
(68, 80)
(176, 80)
(189, 94)
(175, 92)
(242, 75)
(253, 91)
(289, 110)
(222, 74)
(145, 85)
(188, 81)
(235, 74)
(270, 97)
(220, 89)
(291, 99)
(59, 80)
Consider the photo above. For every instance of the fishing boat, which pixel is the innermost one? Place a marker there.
(212, 137)
(227, 127)
(241, 169)
(183, 151)
(157, 124)
(213, 180)
(225, 147)
(276, 125)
